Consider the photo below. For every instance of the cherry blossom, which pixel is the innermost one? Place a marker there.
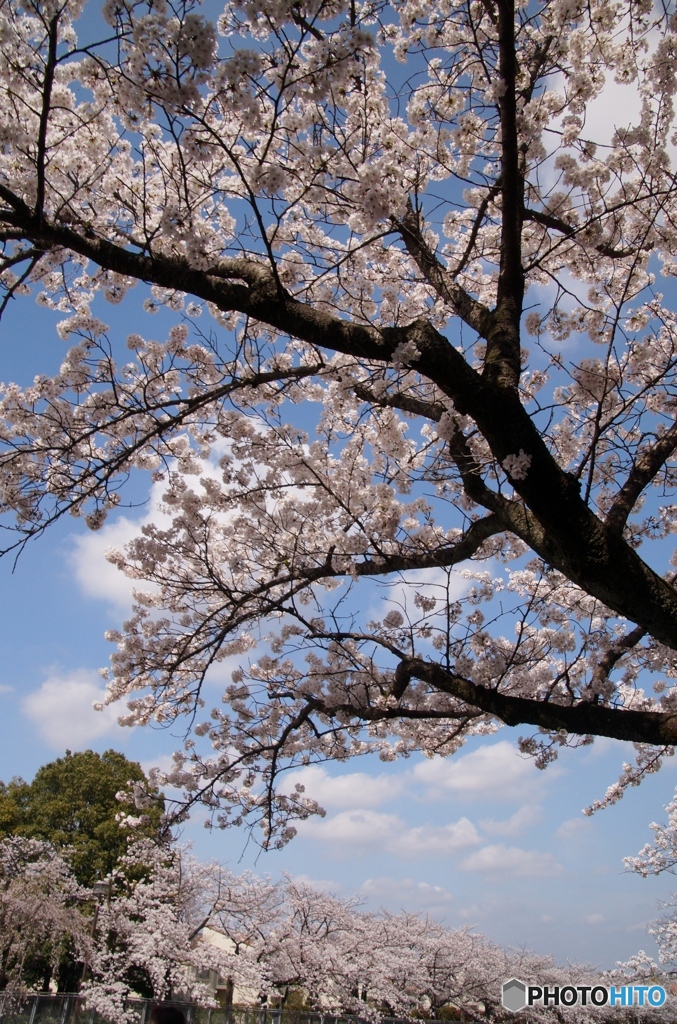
(40, 908)
(165, 920)
(420, 341)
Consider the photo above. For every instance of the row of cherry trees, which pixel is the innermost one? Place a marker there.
(153, 934)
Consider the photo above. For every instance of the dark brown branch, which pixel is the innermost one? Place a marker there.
(305, 24)
(654, 727)
(472, 312)
(548, 220)
(407, 403)
(34, 256)
(44, 117)
(539, 57)
(573, 538)
(502, 362)
(489, 8)
(177, 410)
(465, 547)
(614, 655)
(477, 224)
(242, 285)
(647, 465)
(459, 449)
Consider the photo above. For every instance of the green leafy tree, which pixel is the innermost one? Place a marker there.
(72, 802)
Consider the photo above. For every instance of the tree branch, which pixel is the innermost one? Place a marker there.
(465, 547)
(472, 312)
(614, 655)
(98, 473)
(647, 465)
(407, 403)
(44, 116)
(548, 220)
(573, 539)
(654, 727)
(502, 362)
(477, 223)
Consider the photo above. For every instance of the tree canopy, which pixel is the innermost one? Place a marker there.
(40, 920)
(419, 467)
(177, 921)
(72, 803)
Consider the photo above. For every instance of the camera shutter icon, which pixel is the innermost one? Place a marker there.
(514, 995)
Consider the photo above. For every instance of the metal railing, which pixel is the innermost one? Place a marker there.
(45, 1008)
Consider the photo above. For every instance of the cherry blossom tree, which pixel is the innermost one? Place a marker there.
(40, 910)
(148, 937)
(419, 465)
(654, 858)
(288, 936)
(145, 938)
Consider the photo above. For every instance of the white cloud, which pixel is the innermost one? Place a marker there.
(571, 828)
(61, 710)
(350, 831)
(516, 824)
(595, 918)
(321, 884)
(495, 771)
(165, 762)
(401, 589)
(369, 831)
(470, 913)
(602, 747)
(429, 841)
(356, 789)
(512, 862)
(617, 106)
(96, 575)
(405, 893)
(5, 689)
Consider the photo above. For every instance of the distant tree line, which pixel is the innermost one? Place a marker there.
(96, 896)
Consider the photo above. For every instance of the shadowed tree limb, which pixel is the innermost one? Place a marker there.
(647, 465)
(654, 727)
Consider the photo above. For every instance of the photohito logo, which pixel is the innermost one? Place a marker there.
(516, 995)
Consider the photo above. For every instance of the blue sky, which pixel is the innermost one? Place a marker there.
(482, 838)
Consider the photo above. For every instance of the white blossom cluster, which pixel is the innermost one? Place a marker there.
(40, 905)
